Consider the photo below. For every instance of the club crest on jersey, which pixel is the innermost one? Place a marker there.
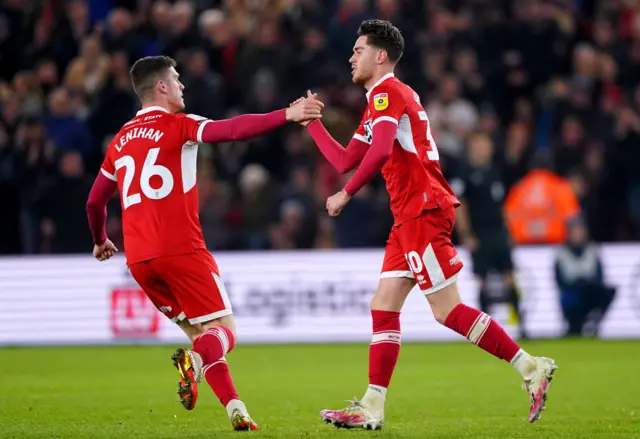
(381, 101)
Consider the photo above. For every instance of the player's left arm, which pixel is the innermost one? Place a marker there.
(384, 134)
(247, 126)
(243, 127)
(389, 106)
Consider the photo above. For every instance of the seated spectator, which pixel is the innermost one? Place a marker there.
(584, 297)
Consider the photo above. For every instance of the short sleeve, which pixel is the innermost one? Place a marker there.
(191, 127)
(387, 104)
(108, 168)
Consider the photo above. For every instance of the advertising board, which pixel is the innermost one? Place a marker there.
(278, 297)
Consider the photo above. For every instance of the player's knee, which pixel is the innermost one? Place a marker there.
(192, 331)
(442, 302)
(441, 310)
(440, 314)
(391, 294)
(381, 302)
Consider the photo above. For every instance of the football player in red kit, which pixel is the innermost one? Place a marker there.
(394, 137)
(152, 162)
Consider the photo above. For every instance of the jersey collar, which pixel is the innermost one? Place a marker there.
(380, 81)
(150, 109)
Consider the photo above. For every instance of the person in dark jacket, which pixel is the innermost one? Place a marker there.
(584, 296)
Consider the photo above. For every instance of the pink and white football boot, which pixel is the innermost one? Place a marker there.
(538, 385)
(354, 416)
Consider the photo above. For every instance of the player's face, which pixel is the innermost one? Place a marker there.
(174, 91)
(363, 61)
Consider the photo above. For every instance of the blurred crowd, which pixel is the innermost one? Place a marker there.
(554, 83)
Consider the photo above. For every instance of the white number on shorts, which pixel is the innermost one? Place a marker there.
(428, 261)
(433, 154)
(413, 259)
(149, 169)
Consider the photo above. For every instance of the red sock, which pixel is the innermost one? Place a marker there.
(214, 344)
(218, 376)
(482, 330)
(385, 347)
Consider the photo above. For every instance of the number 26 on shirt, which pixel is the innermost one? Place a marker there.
(149, 169)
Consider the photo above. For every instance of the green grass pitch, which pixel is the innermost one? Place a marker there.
(450, 390)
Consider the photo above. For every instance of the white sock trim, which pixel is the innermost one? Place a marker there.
(478, 329)
(386, 337)
(524, 363)
(206, 368)
(517, 356)
(218, 332)
(377, 390)
(374, 398)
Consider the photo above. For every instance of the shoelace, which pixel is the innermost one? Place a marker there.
(355, 406)
(238, 414)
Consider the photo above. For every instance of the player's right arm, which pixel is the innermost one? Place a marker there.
(342, 159)
(104, 188)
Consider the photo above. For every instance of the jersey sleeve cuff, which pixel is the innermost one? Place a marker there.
(385, 119)
(201, 130)
(109, 176)
(361, 138)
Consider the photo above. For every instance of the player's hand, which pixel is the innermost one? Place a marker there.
(313, 96)
(104, 251)
(300, 99)
(471, 243)
(305, 109)
(336, 202)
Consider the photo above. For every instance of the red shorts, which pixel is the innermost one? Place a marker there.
(184, 286)
(421, 249)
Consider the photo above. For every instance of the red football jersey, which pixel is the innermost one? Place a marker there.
(153, 158)
(412, 172)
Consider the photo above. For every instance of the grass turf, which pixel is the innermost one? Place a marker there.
(439, 391)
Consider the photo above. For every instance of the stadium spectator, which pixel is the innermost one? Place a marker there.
(584, 296)
(539, 205)
(203, 92)
(88, 72)
(66, 130)
(61, 208)
(74, 25)
(258, 194)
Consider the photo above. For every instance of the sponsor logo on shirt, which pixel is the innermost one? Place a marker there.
(381, 101)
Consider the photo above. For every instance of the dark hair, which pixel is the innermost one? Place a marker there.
(383, 35)
(146, 72)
